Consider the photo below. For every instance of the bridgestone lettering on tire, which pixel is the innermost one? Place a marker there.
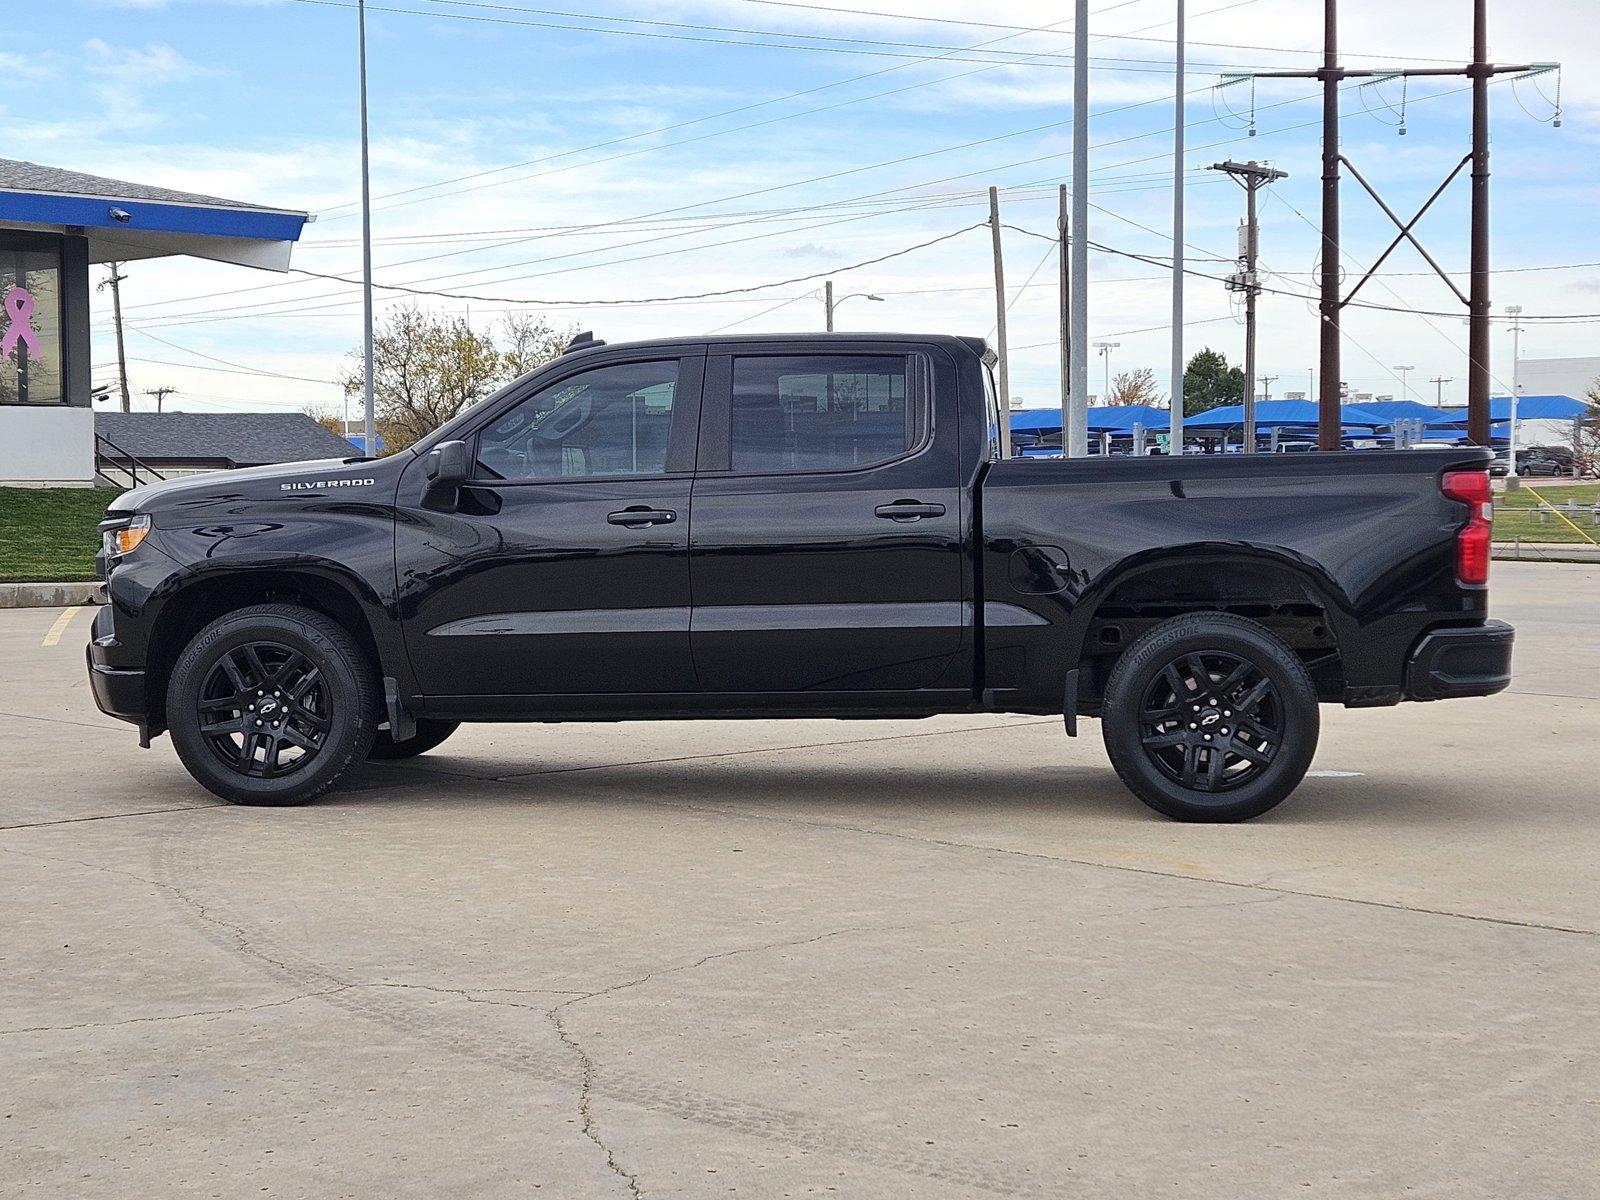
(272, 704)
(1209, 717)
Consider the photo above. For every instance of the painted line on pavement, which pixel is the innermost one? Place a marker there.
(60, 627)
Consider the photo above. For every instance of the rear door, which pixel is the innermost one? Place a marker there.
(826, 551)
(565, 570)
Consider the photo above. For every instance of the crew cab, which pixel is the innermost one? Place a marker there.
(789, 526)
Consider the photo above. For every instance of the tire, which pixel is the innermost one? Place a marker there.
(314, 711)
(1216, 672)
(429, 734)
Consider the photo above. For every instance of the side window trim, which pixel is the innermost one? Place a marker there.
(716, 452)
(681, 435)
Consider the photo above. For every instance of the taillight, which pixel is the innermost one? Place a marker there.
(1473, 543)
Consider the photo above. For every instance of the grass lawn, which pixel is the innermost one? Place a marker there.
(48, 535)
(1516, 513)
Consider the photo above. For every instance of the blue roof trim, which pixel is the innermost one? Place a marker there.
(94, 212)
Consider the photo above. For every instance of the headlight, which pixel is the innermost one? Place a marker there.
(122, 535)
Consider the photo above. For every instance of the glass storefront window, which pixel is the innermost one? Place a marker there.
(30, 327)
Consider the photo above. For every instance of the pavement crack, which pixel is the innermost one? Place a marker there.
(586, 1064)
(1062, 860)
(183, 1016)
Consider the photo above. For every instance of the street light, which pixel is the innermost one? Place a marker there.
(1105, 349)
(1405, 391)
(1515, 313)
(829, 303)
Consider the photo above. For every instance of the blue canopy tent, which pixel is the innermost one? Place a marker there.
(1402, 410)
(1529, 408)
(1280, 414)
(1111, 418)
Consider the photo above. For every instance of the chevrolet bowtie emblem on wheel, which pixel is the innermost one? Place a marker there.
(268, 705)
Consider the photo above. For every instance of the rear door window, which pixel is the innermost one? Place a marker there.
(823, 412)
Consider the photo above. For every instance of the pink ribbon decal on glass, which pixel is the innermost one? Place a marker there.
(19, 307)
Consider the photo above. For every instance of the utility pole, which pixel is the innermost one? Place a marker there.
(1175, 430)
(1252, 176)
(1063, 232)
(366, 241)
(1266, 387)
(160, 393)
(1438, 382)
(1515, 312)
(1405, 390)
(1105, 349)
(115, 278)
(1000, 323)
(1075, 437)
(1479, 71)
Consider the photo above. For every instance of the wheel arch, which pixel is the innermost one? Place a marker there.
(1270, 584)
(206, 596)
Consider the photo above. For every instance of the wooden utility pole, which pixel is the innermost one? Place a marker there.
(160, 393)
(1438, 382)
(1479, 71)
(827, 303)
(116, 278)
(1251, 176)
(1004, 374)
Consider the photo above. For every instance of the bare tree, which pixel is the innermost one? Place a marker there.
(529, 342)
(327, 416)
(1134, 387)
(1585, 438)
(428, 367)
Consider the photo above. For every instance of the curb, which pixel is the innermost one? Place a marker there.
(47, 595)
(1571, 552)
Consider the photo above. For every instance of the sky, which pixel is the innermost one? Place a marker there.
(534, 156)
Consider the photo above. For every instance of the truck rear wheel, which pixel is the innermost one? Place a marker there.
(1209, 717)
(271, 704)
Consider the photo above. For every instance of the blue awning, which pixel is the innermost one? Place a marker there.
(124, 221)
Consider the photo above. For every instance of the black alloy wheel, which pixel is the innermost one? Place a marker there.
(264, 711)
(272, 704)
(1210, 717)
(1211, 721)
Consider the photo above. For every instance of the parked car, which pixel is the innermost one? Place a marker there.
(1539, 464)
(795, 526)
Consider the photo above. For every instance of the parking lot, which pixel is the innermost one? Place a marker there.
(943, 958)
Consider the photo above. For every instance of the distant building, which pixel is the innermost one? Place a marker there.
(1557, 376)
(54, 224)
(150, 445)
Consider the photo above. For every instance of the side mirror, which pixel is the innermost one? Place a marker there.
(448, 465)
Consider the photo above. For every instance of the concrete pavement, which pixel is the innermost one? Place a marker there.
(944, 958)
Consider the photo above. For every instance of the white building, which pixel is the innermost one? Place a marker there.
(53, 225)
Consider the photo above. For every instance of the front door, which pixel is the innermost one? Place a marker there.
(565, 570)
(826, 551)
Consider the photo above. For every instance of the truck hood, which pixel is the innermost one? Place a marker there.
(333, 475)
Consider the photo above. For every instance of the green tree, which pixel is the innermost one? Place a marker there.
(428, 367)
(1209, 382)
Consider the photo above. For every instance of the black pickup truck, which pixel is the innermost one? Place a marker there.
(794, 526)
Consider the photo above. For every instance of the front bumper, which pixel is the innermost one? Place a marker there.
(118, 691)
(1473, 660)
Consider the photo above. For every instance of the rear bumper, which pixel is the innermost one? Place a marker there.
(1471, 660)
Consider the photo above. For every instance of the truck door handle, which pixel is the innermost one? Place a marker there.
(908, 510)
(639, 516)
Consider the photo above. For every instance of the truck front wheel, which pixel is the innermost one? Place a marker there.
(271, 704)
(1209, 717)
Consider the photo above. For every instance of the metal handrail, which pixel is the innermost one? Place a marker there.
(122, 461)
